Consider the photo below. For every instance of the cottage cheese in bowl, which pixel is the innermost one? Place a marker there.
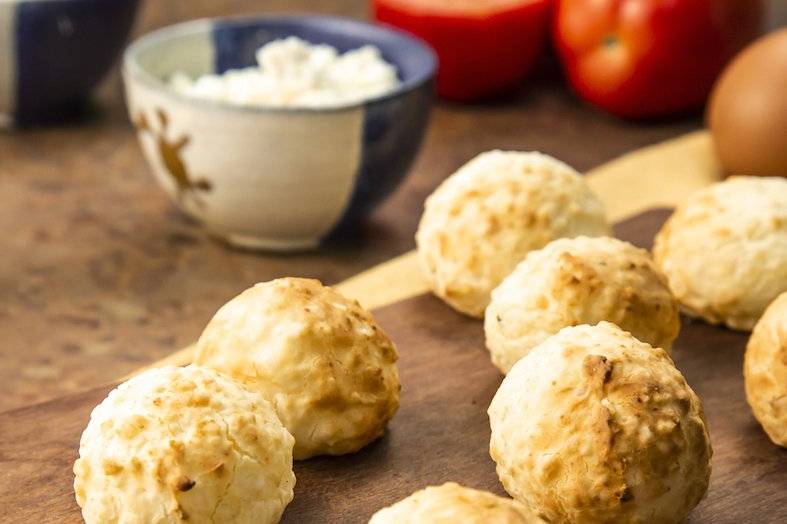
(294, 73)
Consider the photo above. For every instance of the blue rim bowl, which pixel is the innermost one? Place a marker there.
(391, 126)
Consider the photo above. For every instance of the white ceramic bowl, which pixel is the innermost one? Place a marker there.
(274, 178)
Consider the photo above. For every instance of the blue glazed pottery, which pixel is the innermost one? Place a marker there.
(275, 178)
(53, 52)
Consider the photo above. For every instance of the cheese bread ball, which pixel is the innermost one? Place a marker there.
(487, 216)
(455, 504)
(595, 426)
(183, 445)
(576, 281)
(321, 359)
(765, 371)
(724, 251)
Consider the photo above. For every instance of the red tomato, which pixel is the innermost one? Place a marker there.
(485, 47)
(640, 58)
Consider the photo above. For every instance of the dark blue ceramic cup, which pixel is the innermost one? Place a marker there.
(53, 52)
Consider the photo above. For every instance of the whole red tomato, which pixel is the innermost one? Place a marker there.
(641, 58)
(485, 47)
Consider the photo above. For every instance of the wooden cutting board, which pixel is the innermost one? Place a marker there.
(441, 432)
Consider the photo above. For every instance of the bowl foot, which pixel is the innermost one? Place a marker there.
(253, 243)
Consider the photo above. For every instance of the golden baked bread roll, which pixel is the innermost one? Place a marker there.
(595, 426)
(724, 251)
(574, 281)
(765, 371)
(179, 445)
(321, 359)
(483, 220)
(455, 504)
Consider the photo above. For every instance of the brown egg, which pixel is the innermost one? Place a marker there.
(747, 113)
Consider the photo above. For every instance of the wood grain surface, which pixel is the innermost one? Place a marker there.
(441, 432)
(100, 275)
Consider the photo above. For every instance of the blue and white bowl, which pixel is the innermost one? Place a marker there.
(275, 178)
(53, 52)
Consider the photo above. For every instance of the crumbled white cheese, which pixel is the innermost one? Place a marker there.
(293, 73)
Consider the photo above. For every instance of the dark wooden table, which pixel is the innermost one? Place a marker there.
(439, 434)
(100, 275)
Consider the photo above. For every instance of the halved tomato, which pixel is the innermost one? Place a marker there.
(485, 47)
